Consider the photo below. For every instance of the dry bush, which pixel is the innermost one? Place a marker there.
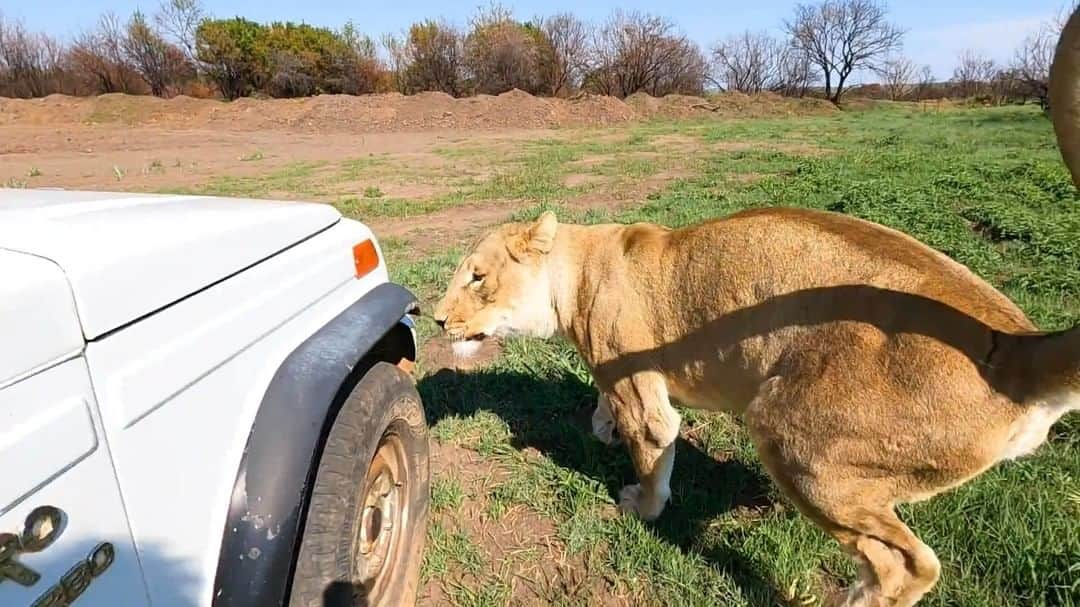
(500, 54)
(428, 57)
(640, 52)
(97, 58)
(842, 36)
(31, 64)
(199, 89)
(355, 68)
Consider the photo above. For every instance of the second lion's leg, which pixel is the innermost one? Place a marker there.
(603, 422)
(649, 425)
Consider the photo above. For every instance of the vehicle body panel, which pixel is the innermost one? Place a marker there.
(37, 313)
(128, 255)
(179, 391)
(149, 329)
(51, 443)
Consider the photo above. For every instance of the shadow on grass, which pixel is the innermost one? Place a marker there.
(552, 414)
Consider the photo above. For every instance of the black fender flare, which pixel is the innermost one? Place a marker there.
(272, 488)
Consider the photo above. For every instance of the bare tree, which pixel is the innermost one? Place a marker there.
(566, 55)
(686, 70)
(842, 36)
(1007, 86)
(897, 75)
(1031, 63)
(973, 73)
(639, 52)
(30, 64)
(795, 72)
(925, 83)
(179, 20)
(98, 57)
(748, 62)
(160, 64)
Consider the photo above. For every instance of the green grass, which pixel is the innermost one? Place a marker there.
(446, 494)
(450, 551)
(297, 179)
(984, 186)
(491, 592)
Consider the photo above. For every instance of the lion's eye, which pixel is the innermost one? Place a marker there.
(477, 277)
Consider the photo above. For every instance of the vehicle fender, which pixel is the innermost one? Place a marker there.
(272, 489)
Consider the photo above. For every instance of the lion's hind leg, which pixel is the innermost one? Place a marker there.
(854, 505)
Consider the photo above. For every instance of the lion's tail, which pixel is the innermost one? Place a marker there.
(1041, 367)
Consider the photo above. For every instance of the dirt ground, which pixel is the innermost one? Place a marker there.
(137, 143)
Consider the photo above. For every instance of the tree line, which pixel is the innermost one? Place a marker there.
(182, 49)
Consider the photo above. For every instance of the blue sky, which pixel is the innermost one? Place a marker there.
(937, 29)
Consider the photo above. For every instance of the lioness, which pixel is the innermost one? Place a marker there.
(870, 369)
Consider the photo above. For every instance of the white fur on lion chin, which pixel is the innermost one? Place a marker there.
(466, 349)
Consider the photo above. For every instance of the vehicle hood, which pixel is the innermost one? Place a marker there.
(129, 255)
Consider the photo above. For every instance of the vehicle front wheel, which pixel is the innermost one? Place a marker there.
(366, 520)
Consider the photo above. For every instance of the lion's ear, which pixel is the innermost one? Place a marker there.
(538, 237)
(542, 233)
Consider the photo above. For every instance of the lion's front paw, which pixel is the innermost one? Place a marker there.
(603, 426)
(634, 500)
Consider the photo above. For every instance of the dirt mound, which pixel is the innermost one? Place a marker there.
(725, 105)
(391, 112)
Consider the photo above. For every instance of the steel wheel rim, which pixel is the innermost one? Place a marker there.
(382, 520)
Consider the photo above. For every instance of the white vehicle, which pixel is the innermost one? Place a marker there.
(203, 401)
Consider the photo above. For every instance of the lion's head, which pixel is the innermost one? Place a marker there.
(502, 286)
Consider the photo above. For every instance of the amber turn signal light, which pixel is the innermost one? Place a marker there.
(365, 258)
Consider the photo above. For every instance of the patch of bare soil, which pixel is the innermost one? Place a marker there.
(574, 180)
(454, 226)
(152, 158)
(520, 547)
(437, 354)
(461, 225)
(726, 105)
(678, 141)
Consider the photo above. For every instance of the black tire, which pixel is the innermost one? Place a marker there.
(381, 420)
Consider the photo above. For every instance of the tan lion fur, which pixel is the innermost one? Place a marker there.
(870, 369)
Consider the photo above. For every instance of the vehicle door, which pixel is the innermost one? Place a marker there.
(64, 535)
